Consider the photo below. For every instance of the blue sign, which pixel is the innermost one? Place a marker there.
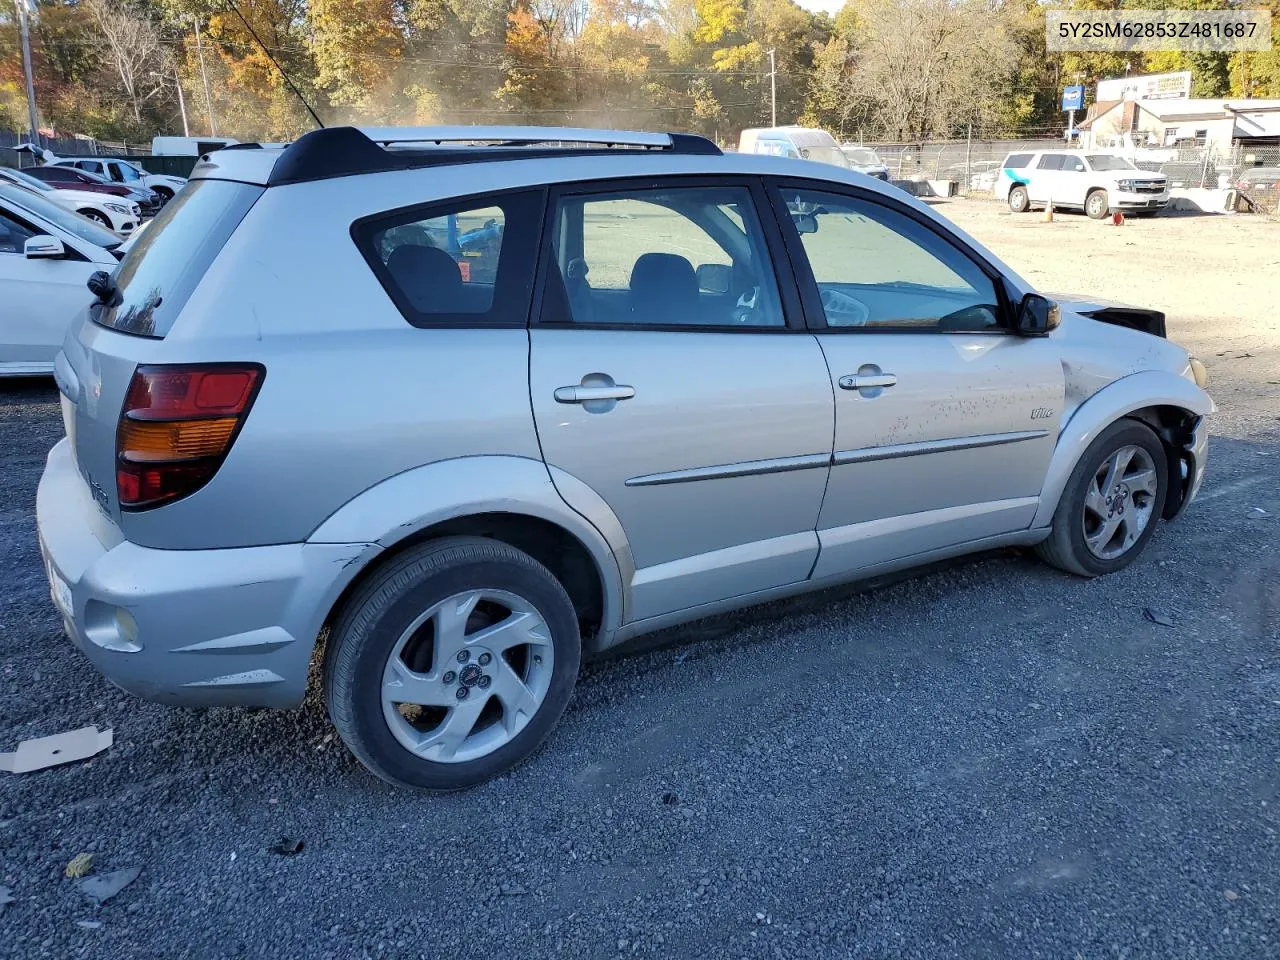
(1073, 98)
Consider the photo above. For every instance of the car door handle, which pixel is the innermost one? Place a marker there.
(867, 381)
(585, 394)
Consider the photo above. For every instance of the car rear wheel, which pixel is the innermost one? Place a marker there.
(452, 664)
(1019, 202)
(97, 217)
(1096, 204)
(1109, 508)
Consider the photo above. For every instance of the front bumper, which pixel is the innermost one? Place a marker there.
(1140, 201)
(187, 627)
(1195, 453)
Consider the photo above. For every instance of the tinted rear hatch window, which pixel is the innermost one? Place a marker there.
(168, 259)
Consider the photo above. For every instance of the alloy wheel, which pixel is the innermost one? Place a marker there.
(467, 675)
(1119, 502)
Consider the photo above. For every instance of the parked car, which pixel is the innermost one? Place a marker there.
(68, 178)
(122, 171)
(708, 382)
(118, 214)
(802, 143)
(47, 255)
(1261, 185)
(865, 160)
(1096, 183)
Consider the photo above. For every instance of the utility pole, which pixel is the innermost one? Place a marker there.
(773, 90)
(208, 94)
(182, 105)
(26, 67)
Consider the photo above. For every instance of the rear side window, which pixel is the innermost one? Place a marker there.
(171, 255)
(1016, 161)
(463, 263)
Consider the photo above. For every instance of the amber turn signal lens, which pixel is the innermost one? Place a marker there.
(149, 440)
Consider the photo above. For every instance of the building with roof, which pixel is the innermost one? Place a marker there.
(1179, 124)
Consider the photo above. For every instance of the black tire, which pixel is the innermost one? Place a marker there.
(379, 611)
(1096, 205)
(1019, 200)
(163, 193)
(1066, 548)
(97, 217)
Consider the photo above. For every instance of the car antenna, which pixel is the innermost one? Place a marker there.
(297, 93)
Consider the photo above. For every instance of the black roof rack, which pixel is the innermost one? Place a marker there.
(344, 151)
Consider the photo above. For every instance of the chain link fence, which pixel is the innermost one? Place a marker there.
(974, 165)
(64, 147)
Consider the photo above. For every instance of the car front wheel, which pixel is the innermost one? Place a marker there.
(452, 664)
(1019, 202)
(97, 217)
(1096, 204)
(1109, 508)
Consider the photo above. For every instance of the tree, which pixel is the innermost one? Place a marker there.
(131, 49)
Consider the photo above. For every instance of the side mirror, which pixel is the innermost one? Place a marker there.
(716, 278)
(44, 248)
(1037, 315)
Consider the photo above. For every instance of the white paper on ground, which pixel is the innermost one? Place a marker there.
(60, 748)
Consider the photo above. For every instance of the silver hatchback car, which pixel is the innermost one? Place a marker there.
(468, 403)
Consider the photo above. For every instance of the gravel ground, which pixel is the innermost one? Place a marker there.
(990, 759)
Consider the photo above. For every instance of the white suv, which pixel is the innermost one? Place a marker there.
(122, 171)
(1096, 183)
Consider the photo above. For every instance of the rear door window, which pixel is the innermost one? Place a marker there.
(170, 257)
(1050, 161)
(467, 262)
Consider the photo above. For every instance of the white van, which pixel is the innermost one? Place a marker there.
(188, 146)
(804, 143)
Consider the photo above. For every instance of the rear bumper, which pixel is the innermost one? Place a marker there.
(186, 627)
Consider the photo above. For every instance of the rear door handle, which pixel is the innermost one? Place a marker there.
(867, 381)
(585, 394)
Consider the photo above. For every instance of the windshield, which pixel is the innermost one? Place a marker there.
(832, 155)
(1105, 161)
(76, 225)
(164, 265)
(26, 180)
(863, 157)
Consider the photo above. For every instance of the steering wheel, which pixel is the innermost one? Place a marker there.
(843, 310)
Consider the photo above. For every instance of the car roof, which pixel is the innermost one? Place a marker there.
(341, 152)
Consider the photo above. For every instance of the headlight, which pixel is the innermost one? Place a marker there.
(117, 207)
(1199, 372)
(1126, 186)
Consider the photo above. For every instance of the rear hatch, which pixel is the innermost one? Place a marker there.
(108, 342)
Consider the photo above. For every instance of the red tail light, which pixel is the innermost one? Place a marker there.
(177, 426)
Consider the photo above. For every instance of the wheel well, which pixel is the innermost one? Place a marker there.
(88, 212)
(554, 547)
(1173, 426)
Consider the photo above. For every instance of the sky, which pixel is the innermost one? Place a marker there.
(830, 6)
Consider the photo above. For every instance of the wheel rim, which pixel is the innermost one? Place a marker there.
(1095, 204)
(467, 675)
(1119, 502)
(1019, 199)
